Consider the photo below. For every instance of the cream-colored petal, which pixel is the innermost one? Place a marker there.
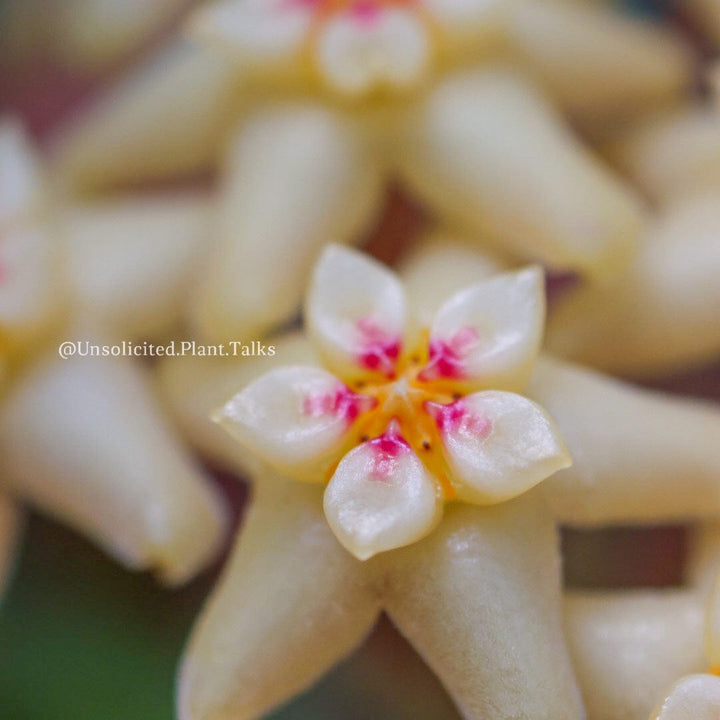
(479, 599)
(696, 697)
(661, 314)
(82, 440)
(381, 497)
(440, 265)
(627, 647)
(297, 176)
(369, 46)
(596, 59)
(485, 149)
(193, 387)
(166, 118)
(90, 35)
(31, 288)
(706, 15)
(466, 25)
(131, 260)
(672, 153)
(488, 335)
(290, 604)
(21, 191)
(498, 445)
(638, 456)
(255, 32)
(355, 313)
(295, 418)
(10, 522)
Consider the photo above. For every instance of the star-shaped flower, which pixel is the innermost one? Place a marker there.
(467, 132)
(82, 439)
(406, 421)
(353, 47)
(287, 553)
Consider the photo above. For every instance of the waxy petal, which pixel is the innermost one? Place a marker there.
(81, 440)
(660, 315)
(488, 335)
(130, 261)
(254, 31)
(696, 697)
(498, 445)
(290, 604)
(479, 599)
(381, 497)
(484, 149)
(295, 418)
(596, 59)
(93, 34)
(20, 183)
(297, 176)
(193, 387)
(672, 153)
(438, 266)
(370, 46)
(31, 291)
(628, 647)
(638, 456)
(466, 25)
(167, 117)
(356, 313)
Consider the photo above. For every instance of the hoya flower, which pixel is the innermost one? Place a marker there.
(354, 47)
(310, 109)
(640, 457)
(82, 439)
(403, 423)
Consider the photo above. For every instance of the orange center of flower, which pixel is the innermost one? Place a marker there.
(421, 409)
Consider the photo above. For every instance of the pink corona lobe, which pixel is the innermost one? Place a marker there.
(457, 417)
(377, 350)
(362, 11)
(342, 403)
(365, 11)
(447, 357)
(385, 451)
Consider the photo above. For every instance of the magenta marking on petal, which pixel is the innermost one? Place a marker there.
(342, 403)
(365, 12)
(385, 451)
(447, 357)
(378, 350)
(457, 417)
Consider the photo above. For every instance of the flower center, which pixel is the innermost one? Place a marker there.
(415, 412)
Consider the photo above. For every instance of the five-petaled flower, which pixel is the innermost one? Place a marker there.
(405, 418)
(353, 46)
